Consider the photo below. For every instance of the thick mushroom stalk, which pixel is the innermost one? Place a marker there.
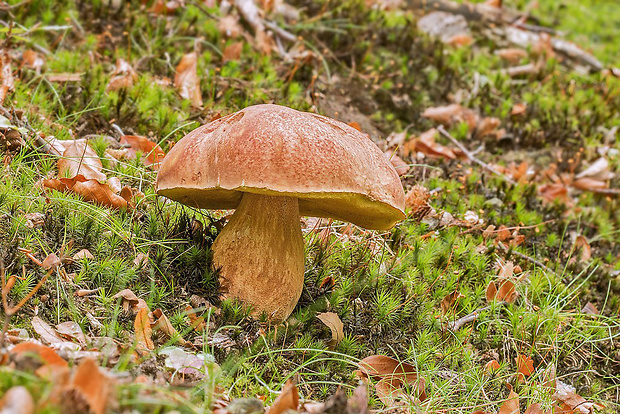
(260, 254)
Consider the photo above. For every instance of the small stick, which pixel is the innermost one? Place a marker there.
(457, 324)
(471, 156)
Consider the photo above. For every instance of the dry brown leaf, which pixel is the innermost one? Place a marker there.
(131, 301)
(566, 394)
(590, 308)
(426, 144)
(535, 408)
(152, 154)
(88, 390)
(89, 190)
(502, 290)
(487, 126)
(51, 261)
(451, 114)
(511, 405)
(186, 79)
(525, 366)
(518, 109)
(335, 325)
(554, 191)
(229, 26)
(80, 159)
(83, 254)
(232, 52)
(287, 400)
(7, 82)
(417, 201)
(124, 76)
(162, 323)
(45, 331)
(46, 355)
(17, 400)
(165, 7)
(355, 125)
(492, 365)
(141, 260)
(71, 330)
(142, 327)
(399, 165)
(449, 302)
(197, 323)
(512, 55)
(381, 366)
(581, 243)
(33, 60)
(589, 184)
(459, 40)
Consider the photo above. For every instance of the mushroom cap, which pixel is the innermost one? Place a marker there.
(333, 169)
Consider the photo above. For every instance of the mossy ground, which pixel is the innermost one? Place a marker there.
(387, 286)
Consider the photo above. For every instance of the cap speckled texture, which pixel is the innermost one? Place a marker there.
(334, 170)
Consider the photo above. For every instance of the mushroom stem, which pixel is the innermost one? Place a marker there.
(260, 254)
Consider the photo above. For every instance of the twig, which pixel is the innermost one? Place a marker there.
(471, 156)
(528, 258)
(457, 324)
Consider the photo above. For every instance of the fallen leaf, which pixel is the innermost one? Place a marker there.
(88, 390)
(232, 52)
(124, 76)
(566, 394)
(142, 327)
(599, 170)
(197, 323)
(399, 165)
(131, 301)
(163, 7)
(503, 290)
(51, 261)
(487, 126)
(162, 323)
(518, 109)
(33, 60)
(551, 192)
(417, 201)
(80, 159)
(459, 40)
(83, 254)
(589, 184)
(71, 330)
(525, 366)
(141, 260)
(448, 303)
(46, 332)
(186, 79)
(426, 144)
(333, 322)
(355, 125)
(535, 408)
(287, 400)
(492, 365)
(151, 151)
(17, 400)
(512, 55)
(590, 309)
(451, 114)
(185, 362)
(45, 355)
(581, 243)
(511, 405)
(89, 190)
(229, 26)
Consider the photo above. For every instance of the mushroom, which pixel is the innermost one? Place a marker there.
(274, 164)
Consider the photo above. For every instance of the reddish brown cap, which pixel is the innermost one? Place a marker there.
(333, 169)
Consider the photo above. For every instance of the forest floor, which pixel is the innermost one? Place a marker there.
(501, 287)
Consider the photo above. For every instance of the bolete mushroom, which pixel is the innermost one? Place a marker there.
(274, 164)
